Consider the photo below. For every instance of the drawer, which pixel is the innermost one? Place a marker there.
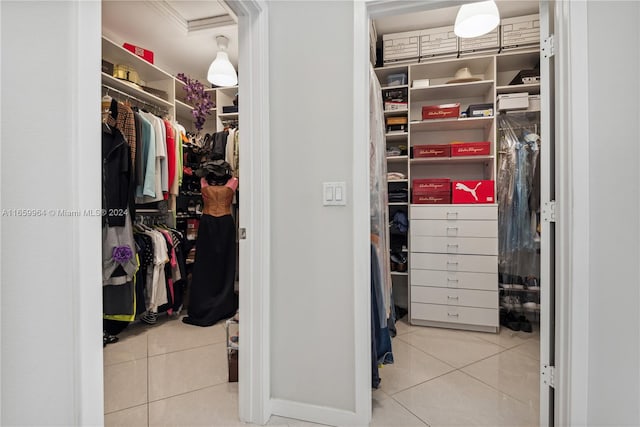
(455, 245)
(455, 297)
(452, 314)
(452, 213)
(452, 262)
(454, 228)
(454, 279)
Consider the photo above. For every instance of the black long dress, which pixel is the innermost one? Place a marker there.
(212, 296)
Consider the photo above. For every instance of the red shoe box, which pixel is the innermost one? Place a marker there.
(473, 191)
(430, 186)
(145, 54)
(443, 111)
(470, 149)
(431, 150)
(431, 198)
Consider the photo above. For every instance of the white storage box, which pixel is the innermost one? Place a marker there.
(420, 83)
(534, 103)
(513, 101)
(438, 42)
(401, 47)
(520, 32)
(489, 43)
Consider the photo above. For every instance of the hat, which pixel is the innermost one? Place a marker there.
(218, 168)
(463, 75)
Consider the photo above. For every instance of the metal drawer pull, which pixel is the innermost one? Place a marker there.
(453, 315)
(452, 262)
(453, 214)
(449, 279)
(450, 297)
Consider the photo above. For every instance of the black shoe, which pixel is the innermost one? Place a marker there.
(525, 325)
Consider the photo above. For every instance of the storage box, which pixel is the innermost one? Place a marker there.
(443, 111)
(431, 199)
(226, 109)
(438, 42)
(470, 149)
(473, 191)
(145, 54)
(394, 106)
(107, 67)
(534, 103)
(480, 110)
(431, 150)
(420, 83)
(526, 77)
(513, 101)
(520, 32)
(489, 43)
(397, 124)
(401, 47)
(397, 79)
(431, 185)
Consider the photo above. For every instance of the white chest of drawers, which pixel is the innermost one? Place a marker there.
(454, 266)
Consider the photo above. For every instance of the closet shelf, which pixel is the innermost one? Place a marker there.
(134, 91)
(399, 273)
(118, 55)
(453, 91)
(394, 87)
(397, 180)
(396, 112)
(398, 204)
(183, 109)
(396, 136)
(392, 159)
(454, 160)
(451, 124)
(228, 115)
(532, 88)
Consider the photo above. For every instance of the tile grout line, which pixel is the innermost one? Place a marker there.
(496, 389)
(410, 411)
(187, 392)
(162, 354)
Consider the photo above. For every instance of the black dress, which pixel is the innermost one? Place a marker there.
(212, 296)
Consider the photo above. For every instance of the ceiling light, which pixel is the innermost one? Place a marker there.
(476, 19)
(221, 71)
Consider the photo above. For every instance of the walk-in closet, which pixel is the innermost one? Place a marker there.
(461, 121)
(170, 274)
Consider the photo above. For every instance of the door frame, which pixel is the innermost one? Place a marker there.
(254, 387)
(572, 171)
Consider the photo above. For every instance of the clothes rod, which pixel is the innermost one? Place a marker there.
(157, 107)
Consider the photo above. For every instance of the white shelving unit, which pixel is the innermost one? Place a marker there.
(173, 103)
(452, 279)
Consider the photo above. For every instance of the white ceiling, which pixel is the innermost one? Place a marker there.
(447, 16)
(181, 33)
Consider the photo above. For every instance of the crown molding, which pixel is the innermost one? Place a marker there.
(193, 25)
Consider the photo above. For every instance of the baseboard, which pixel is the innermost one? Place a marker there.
(317, 414)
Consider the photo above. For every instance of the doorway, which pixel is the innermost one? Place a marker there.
(544, 350)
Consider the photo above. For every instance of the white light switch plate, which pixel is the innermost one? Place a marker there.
(334, 194)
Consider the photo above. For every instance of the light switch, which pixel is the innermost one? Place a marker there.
(334, 194)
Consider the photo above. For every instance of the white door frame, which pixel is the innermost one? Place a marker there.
(254, 270)
(572, 170)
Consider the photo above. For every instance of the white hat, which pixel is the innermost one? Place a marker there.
(463, 75)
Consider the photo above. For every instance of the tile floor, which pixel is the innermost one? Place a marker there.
(174, 374)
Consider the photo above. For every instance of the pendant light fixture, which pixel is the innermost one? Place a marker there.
(476, 19)
(221, 71)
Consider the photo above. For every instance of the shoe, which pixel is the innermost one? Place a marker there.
(108, 339)
(525, 325)
(149, 317)
(191, 207)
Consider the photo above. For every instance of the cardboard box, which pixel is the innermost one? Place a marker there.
(480, 110)
(520, 32)
(145, 54)
(489, 43)
(482, 148)
(430, 186)
(438, 42)
(534, 103)
(431, 150)
(420, 83)
(431, 199)
(473, 191)
(443, 111)
(400, 47)
(513, 101)
(394, 106)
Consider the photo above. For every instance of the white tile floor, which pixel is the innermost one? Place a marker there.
(173, 374)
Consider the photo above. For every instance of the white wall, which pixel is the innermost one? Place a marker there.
(44, 366)
(614, 293)
(311, 118)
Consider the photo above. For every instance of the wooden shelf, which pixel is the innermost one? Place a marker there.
(134, 91)
(451, 124)
(453, 160)
(396, 159)
(532, 88)
(396, 136)
(453, 91)
(183, 109)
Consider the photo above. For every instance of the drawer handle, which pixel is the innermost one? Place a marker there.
(451, 297)
(452, 262)
(449, 279)
(453, 315)
(452, 231)
(452, 215)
